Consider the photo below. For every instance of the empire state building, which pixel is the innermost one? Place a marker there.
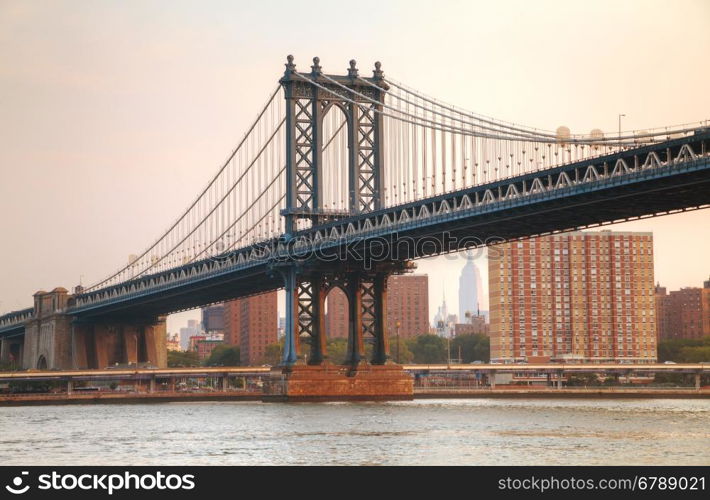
(469, 288)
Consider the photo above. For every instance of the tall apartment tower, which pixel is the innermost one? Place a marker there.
(192, 329)
(580, 296)
(252, 324)
(684, 313)
(336, 315)
(662, 316)
(407, 303)
(232, 319)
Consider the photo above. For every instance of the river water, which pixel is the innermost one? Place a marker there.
(422, 432)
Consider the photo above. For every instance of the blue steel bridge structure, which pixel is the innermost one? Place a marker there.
(343, 180)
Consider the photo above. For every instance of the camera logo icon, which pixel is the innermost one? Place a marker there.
(16, 487)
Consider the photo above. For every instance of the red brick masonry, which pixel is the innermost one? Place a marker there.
(339, 383)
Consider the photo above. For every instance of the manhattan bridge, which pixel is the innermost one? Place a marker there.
(342, 181)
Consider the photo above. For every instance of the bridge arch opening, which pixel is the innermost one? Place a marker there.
(335, 158)
(337, 324)
(42, 363)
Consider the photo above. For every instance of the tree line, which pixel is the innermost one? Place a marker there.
(423, 349)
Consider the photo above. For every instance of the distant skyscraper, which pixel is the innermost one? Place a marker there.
(192, 330)
(443, 321)
(470, 287)
(213, 319)
(173, 342)
(442, 313)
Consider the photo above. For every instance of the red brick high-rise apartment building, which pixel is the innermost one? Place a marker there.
(684, 313)
(252, 324)
(407, 303)
(336, 314)
(580, 296)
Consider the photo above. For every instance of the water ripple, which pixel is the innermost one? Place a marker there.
(422, 432)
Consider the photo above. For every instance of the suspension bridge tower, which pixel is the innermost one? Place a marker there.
(309, 373)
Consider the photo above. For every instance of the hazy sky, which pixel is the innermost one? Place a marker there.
(114, 114)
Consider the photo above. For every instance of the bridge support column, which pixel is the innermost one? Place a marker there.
(70, 386)
(317, 332)
(130, 344)
(356, 345)
(155, 343)
(82, 350)
(102, 339)
(290, 354)
(4, 351)
(151, 385)
(99, 345)
(381, 350)
(224, 383)
(697, 381)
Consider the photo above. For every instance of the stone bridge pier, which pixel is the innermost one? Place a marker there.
(102, 344)
(55, 340)
(11, 350)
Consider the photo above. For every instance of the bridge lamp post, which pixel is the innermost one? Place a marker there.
(620, 116)
(397, 324)
(448, 349)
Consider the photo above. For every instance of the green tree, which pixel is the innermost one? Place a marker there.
(183, 359)
(684, 350)
(272, 354)
(696, 354)
(337, 350)
(399, 351)
(583, 379)
(473, 347)
(428, 349)
(224, 355)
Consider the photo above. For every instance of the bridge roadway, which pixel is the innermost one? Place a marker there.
(652, 180)
(147, 373)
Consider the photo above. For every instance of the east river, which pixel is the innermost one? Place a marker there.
(423, 432)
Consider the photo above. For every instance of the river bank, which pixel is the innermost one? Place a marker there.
(117, 397)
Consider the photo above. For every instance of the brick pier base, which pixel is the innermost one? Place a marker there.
(339, 383)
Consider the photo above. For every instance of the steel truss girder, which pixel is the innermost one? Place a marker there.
(367, 297)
